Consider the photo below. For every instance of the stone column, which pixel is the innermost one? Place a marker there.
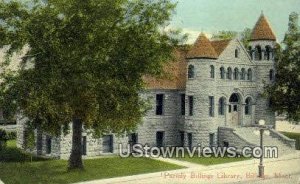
(242, 111)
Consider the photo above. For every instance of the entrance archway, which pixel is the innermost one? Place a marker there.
(234, 109)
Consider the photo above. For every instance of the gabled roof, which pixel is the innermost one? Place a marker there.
(176, 71)
(220, 45)
(202, 48)
(262, 30)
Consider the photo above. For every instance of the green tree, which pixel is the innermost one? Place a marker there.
(285, 92)
(84, 64)
(244, 35)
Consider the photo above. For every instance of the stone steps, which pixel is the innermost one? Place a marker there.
(252, 135)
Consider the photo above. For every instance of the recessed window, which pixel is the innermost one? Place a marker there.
(222, 73)
(271, 75)
(249, 74)
(182, 96)
(191, 72)
(222, 106)
(83, 145)
(236, 53)
(48, 144)
(258, 53)
(191, 105)
(236, 74)
(268, 52)
(212, 71)
(159, 104)
(229, 73)
(211, 106)
(243, 74)
(248, 106)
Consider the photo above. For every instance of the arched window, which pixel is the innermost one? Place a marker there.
(236, 74)
(258, 53)
(243, 74)
(191, 71)
(236, 53)
(271, 75)
(229, 73)
(212, 71)
(248, 105)
(268, 52)
(250, 52)
(249, 74)
(222, 106)
(222, 73)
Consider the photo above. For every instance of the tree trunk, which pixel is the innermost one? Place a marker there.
(75, 160)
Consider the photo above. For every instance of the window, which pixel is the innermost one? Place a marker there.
(268, 53)
(191, 105)
(243, 73)
(211, 139)
(83, 148)
(159, 104)
(211, 106)
(222, 73)
(248, 106)
(182, 104)
(48, 144)
(271, 75)
(229, 73)
(191, 72)
(258, 53)
(107, 144)
(236, 74)
(212, 71)
(221, 106)
(250, 52)
(236, 53)
(249, 74)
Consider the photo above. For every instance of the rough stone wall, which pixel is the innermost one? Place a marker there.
(200, 124)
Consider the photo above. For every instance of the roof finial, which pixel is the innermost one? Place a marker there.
(262, 12)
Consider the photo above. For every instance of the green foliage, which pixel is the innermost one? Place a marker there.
(285, 93)
(3, 135)
(85, 60)
(244, 36)
(11, 135)
(295, 136)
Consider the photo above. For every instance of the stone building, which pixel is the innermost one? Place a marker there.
(214, 96)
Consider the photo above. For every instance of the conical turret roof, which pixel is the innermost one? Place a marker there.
(262, 30)
(202, 48)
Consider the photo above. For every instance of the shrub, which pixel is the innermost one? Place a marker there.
(3, 135)
(3, 139)
(11, 135)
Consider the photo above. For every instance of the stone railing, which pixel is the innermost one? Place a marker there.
(227, 134)
(9, 128)
(290, 142)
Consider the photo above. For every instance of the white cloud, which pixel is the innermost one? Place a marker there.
(192, 33)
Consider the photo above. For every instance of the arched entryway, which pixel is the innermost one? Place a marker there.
(234, 109)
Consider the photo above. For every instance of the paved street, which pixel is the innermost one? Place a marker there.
(283, 170)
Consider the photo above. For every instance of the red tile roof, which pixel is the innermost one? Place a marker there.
(262, 30)
(175, 71)
(220, 45)
(202, 48)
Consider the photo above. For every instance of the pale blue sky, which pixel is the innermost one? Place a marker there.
(210, 16)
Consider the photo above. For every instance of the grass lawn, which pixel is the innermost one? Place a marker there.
(211, 160)
(54, 171)
(295, 136)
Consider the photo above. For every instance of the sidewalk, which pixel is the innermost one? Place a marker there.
(282, 170)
